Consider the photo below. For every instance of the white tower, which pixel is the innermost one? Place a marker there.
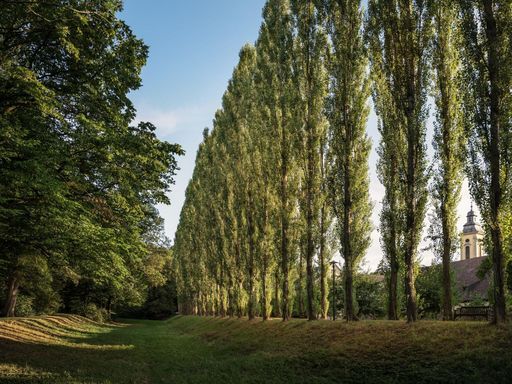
(471, 238)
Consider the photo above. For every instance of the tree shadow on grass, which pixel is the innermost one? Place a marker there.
(91, 357)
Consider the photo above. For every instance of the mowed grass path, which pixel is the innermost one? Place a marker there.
(185, 349)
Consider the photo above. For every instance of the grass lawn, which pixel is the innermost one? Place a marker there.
(70, 349)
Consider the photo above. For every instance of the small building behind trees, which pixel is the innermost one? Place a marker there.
(472, 238)
(472, 254)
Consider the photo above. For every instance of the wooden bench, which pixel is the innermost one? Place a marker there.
(473, 312)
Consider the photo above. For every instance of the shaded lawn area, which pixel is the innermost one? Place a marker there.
(186, 349)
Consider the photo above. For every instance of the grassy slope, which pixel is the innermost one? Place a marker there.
(70, 349)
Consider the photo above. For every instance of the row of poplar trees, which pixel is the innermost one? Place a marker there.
(282, 180)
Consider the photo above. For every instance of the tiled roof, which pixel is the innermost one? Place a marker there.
(467, 282)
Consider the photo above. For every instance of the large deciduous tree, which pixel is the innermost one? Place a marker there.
(77, 179)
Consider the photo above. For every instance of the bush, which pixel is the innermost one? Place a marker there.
(91, 311)
(24, 306)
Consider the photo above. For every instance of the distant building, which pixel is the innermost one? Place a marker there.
(471, 238)
(472, 254)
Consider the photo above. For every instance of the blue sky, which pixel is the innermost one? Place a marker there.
(193, 48)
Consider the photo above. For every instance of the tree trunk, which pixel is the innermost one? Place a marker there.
(324, 303)
(300, 299)
(222, 293)
(12, 294)
(393, 251)
(277, 305)
(264, 298)
(252, 290)
(393, 289)
(109, 307)
(349, 294)
(410, 290)
(447, 278)
(264, 264)
(231, 297)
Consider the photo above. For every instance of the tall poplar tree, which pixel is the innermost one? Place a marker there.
(311, 82)
(275, 54)
(349, 143)
(487, 70)
(239, 104)
(402, 30)
(448, 141)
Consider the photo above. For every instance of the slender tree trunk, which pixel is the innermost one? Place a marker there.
(394, 265)
(447, 278)
(393, 289)
(252, 288)
(324, 303)
(109, 307)
(264, 292)
(300, 298)
(231, 297)
(222, 293)
(265, 264)
(277, 305)
(12, 294)
(349, 293)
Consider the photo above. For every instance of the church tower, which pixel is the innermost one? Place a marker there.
(471, 238)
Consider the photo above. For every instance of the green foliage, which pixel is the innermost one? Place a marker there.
(399, 35)
(24, 306)
(448, 141)
(256, 216)
(487, 103)
(78, 181)
(349, 144)
(370, 295)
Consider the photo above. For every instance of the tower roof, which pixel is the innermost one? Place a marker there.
(471, 225)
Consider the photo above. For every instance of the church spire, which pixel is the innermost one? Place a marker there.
(471, 224)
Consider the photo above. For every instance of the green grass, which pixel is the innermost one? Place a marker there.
(71, 349)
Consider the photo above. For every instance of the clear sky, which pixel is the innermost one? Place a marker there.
(193, 48)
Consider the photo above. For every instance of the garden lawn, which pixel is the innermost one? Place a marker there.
(187, 349)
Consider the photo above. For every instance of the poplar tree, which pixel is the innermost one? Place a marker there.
(402, 29)
(311, 82)
(448, 141)
(390, 152)
(240, 102)
(275, 50)
(349, 143)
(487, 105)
